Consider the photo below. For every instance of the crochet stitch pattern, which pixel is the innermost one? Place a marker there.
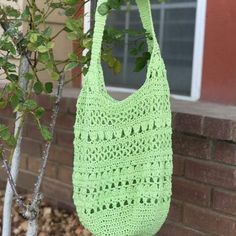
(123, 149)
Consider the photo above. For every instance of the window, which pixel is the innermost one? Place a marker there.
(179, 25)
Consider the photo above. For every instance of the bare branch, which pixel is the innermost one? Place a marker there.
(10, 178)
(48, 143)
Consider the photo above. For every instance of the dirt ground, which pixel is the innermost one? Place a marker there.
(53, 222)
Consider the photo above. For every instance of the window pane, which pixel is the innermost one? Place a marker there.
(174, 23)
(178, 41)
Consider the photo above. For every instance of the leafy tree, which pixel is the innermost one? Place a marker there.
(35, 48)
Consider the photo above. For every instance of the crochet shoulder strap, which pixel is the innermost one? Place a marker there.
(100, 21)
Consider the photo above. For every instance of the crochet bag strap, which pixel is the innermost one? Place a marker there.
(100, 21)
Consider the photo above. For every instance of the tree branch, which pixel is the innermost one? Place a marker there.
(10, 178)
(48, 143)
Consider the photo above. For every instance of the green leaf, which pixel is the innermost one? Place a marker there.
(55, 5)
(47, 32)
(133, 51)
(30, 104)
(48, 87)
(28, 76)
(26, 13)
(4, 132)
(74, 24)
(147, 55)
(111, 61)
(42, 49)
(12, 77)
(140, 63)
(38, 87)
(44, 57)
(11, 141)
(117, 67)
(70, 11)
(71, 66)
(141, 46)
(114, 4)
(71, 2)
(47, 136)
(12, 11)
(33, 38)
(72, 36)
(14, 101)
(73, 57)
(39, 112)
(3, 103)
(38, 18)
(50, 45)
(87, 43)
(103, 9)
(55, 75)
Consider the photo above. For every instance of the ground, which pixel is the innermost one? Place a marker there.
(53, 222)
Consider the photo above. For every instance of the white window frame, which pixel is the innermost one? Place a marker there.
(198, 53)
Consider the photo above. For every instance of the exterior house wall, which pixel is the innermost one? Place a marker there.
(204, 180)
(219, 68)
(63, 46)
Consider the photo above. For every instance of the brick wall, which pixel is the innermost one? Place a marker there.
(204, 181)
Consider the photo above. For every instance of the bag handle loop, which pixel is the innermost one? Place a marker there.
(100, 20)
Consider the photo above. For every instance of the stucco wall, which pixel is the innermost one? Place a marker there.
(62, 45)
(219, 71)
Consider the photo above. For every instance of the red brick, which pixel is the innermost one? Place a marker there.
(173, 229)
(31, 147)
(9, 122)
(47, 117)
(209, 221)
(224, 201)
(191, 146)
(24, 162)
(225, 152)
(188, 123)
(176, 211)
(7, 112)
(26, 180)
(46, 101)
(57, 190)
(65, 174)
(64, 103)
(178, 165)
(65, 121)
(191, 192)
(211, 173)
(66, 206)
(217, 128)
(34, 165)
(233, 131)
(3, 174)
(65, 138)
(32, 131)
(61, 155)
(72, 106)
(2, 184)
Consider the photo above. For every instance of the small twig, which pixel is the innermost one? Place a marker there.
(10, 178)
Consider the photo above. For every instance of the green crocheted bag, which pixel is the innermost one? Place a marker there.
(122, 149)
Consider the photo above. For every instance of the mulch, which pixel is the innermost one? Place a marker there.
(52, 222)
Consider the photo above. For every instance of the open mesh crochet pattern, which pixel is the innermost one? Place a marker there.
(122, 149)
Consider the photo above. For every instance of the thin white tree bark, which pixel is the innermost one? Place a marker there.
(6, 229)
(32, 227)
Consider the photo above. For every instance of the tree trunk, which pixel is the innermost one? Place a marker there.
(32, 227)
(6, 229)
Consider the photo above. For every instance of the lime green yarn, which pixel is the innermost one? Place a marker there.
(122, 149)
